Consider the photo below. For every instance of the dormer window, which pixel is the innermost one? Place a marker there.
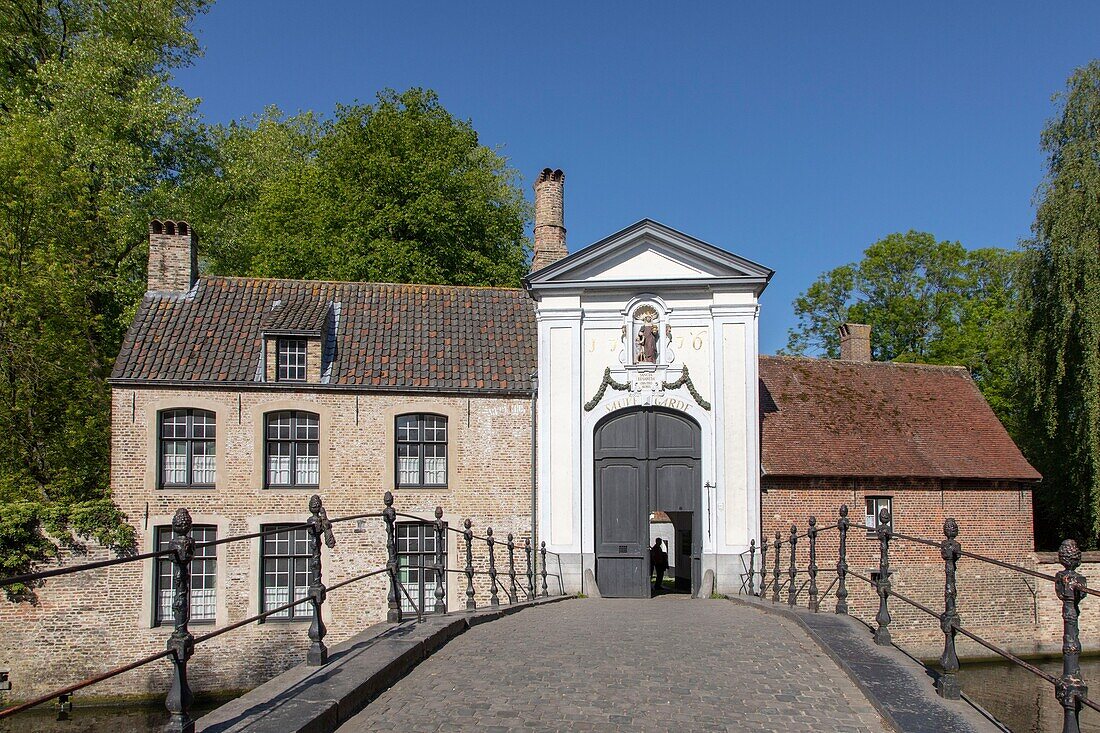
(291, 360)
(299, 337)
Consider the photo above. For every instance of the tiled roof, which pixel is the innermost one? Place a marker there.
(386, 336)
(303, 315)
(836, 418)
(819, 417)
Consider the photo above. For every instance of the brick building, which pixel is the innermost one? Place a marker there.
(623, 379)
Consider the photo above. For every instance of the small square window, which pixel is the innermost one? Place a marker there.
(291, 364)
(874, 505)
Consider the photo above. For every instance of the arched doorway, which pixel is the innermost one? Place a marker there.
(646, 459)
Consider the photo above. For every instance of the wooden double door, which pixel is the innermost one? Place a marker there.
(646, 459)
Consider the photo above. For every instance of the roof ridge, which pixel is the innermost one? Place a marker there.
(440, 286)
(848, 362)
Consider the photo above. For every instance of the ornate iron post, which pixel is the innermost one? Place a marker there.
(882, 618)
(775, 570)
(752, 563)
(812, 534)
(393, 600)
(319, 528)
(181, 643)
(542, 552)
(530, 570)
(1070, 586)
(792, 571)
(468, 534)
(842, 562)
(948, 683)
(440, 566)
(493, 600)
(763, 567)
(513, 595)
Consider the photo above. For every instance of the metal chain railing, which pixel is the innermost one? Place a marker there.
(1070, 587)
(181, 644)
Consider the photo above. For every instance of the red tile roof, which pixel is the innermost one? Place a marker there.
(384, 336)
(820, 417)
(835, 418)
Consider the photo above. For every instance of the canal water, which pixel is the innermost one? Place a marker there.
(98, 718)
(1022, 701)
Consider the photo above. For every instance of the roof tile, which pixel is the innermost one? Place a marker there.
(839, 418)
(388, 336)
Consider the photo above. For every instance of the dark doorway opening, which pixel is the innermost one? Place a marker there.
(674, 529)
(646, 459)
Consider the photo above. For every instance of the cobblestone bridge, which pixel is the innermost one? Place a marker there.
(660, 665)
(666, 664)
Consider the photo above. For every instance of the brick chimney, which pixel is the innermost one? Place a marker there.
(855, 342)
(549, 219)
(173, 256)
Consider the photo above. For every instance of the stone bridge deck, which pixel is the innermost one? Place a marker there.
(667, 664)
(633, 665)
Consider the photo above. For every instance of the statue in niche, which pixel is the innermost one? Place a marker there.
(646, 342)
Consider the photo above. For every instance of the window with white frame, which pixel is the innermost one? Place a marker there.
(421, 450)
(291, 363)
(187, 448)
(292, 448)
(203, 576)
(285, 571)
(416, 562)
(874, 505)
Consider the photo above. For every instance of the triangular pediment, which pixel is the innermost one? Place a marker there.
(649, 252)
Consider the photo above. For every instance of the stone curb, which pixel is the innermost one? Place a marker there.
(308, 699)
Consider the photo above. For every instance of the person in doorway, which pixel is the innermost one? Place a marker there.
(658, 560)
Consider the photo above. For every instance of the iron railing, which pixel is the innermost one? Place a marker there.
(1070, 588)
(182, 643)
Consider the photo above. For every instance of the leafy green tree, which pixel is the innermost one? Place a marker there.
(1061, 318)
(90, 128)
(927, 301)
(397, 191)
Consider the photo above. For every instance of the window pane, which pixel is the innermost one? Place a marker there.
(301, 542)
(435, 429)
(279, 425)
(202, 424)
(308, 466)
(306, 426)
(408, 428)
(435, 464)
(291, 359)
(416, 558)
(286, 572)
(203, 576)
(174, 461)
(173, 424)
(278, 464)
(202, 462)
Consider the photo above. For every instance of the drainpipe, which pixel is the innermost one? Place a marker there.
(534, 464)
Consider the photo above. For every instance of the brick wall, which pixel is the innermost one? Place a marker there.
(995, 519)
(90, 622)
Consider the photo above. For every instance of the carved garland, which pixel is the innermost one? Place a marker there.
(609, 381)
(685, 381)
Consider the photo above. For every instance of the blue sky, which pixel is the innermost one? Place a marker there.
(793, 134)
